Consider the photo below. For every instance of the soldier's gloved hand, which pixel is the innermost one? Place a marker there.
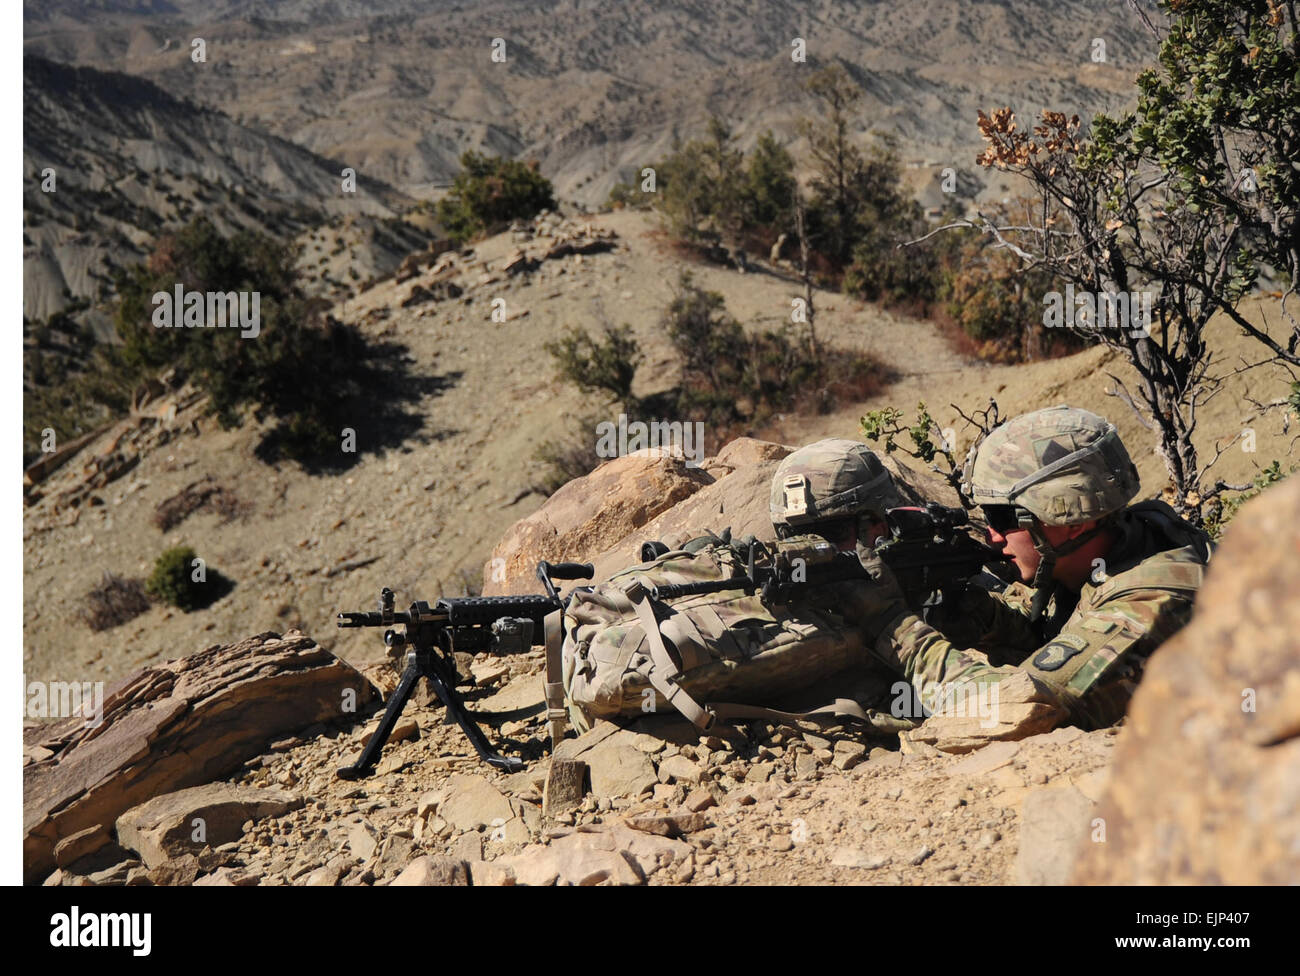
(875, 603)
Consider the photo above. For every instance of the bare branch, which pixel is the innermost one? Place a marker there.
(1146, 21)
(955, 225)
(991, 418)
(1122, 392)
(1218, 453)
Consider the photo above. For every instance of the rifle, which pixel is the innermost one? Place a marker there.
(927, 550)
(500, 624)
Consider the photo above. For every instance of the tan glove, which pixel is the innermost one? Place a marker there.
(871, 605)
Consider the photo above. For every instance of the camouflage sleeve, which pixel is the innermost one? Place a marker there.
(1094, 663)
(1090, 668)
(931, 662)
(997, 623)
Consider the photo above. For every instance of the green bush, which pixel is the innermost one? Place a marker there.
(712, 345)
(1218, 517)
(735, 379)
(629, 196)
(608, 366)
(172, 580)
(881, 270)
(489, 192)
(732, 381)
(295, 369)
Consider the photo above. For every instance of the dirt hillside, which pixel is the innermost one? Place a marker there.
(421, 516)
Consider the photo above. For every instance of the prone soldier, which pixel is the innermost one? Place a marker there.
(1103, 583)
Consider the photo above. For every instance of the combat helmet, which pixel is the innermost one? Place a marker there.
(830, 480)
(1057, 466)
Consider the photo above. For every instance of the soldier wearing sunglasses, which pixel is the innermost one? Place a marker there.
(1103, 582)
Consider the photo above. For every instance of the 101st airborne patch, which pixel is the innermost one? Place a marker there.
(1054, 655)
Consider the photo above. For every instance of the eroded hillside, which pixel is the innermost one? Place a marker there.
(422, 512)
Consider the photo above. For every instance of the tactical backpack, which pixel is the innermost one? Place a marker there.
(710, 656)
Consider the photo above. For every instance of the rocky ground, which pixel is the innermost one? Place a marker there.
(786, 805)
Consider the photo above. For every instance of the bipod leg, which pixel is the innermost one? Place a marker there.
(370, 755)
(455, 706)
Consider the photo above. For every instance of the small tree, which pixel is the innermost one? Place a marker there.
(838, 162)
(172, 580)
(711, 343)
(1187, 198)
(724, 171)
(701, 187)
(608, 366)
(297, 368)
(491, 191)
(769, 186)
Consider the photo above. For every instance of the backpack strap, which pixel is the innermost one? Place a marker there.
(840, 708)
(557, 715)
(664, 673)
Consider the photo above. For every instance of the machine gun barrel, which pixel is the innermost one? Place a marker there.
(368, 618)
(671, 591)
(503, 624)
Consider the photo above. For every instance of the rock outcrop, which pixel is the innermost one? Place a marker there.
(184, 822)
(588, 515)
(1206, 783)
(173, 725)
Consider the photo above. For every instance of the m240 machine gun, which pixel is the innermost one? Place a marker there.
(433, 633)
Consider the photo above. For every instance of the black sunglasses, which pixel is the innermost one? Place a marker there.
(1002, 518)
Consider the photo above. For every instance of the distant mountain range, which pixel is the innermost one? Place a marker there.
(125, 159)
(141, 136)
(595, 90)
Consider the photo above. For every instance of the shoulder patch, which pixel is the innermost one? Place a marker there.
(1054, 655)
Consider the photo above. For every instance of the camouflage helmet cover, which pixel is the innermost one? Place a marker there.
(1063, 464)
(830, 479)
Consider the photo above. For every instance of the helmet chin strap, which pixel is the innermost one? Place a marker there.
(1043, 583)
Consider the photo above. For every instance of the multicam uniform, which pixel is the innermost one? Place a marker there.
(1091, 664)
(1061, 466)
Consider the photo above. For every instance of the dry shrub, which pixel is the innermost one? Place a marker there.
(204, 495)
(114, 601)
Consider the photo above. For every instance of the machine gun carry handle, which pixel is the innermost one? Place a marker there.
(547, 572)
